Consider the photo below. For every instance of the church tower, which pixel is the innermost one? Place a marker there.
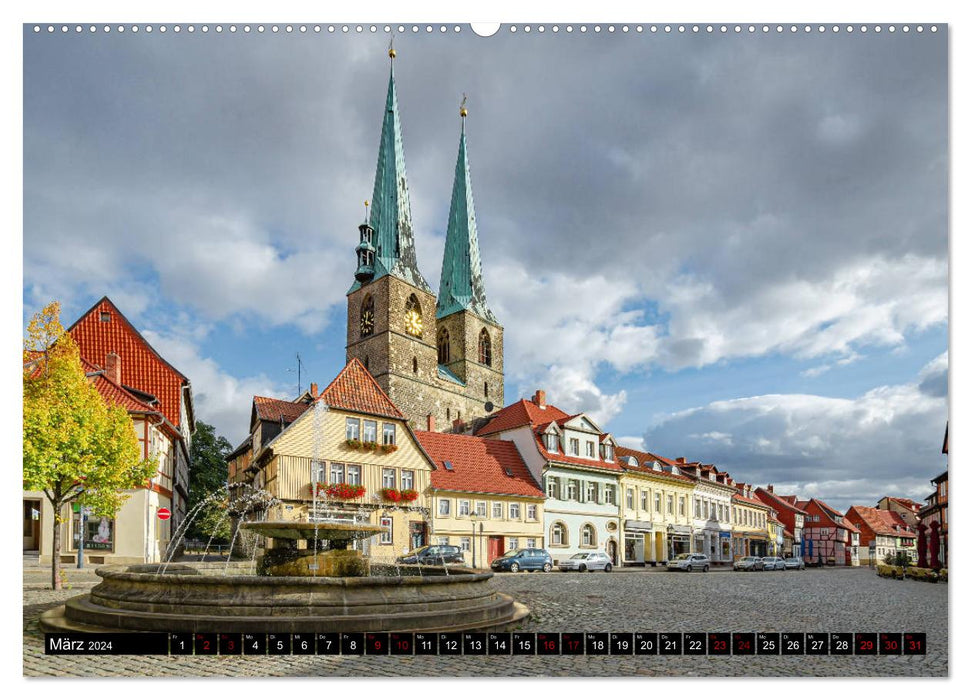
(469, 339)
(393, 324)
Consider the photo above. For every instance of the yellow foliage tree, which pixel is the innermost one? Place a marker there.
(77, 448)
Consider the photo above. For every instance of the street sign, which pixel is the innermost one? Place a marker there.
(164, 514)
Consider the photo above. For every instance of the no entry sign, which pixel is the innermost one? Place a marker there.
(164, 514)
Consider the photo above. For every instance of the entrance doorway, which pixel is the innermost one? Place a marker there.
(495, 548)
(612, 550)
(31, 525)
(418, 535)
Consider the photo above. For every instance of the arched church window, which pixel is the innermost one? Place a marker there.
(485, 348)
(413, 323)
(367, 316)
(444, 354)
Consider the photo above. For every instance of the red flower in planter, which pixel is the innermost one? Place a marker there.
(344, 492)
(409, 495)
(391, 495)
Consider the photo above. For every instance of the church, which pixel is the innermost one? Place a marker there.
(439, 359)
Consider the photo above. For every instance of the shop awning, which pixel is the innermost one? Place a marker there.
(638, 526)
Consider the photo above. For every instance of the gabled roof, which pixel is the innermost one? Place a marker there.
(881, 522)
(354, 389)
(905, 502)
(143, 368)
(777, 502)
(478, 465)
(739, 498)
(521, 413)
(278, 409)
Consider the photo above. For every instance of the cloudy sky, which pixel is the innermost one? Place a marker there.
(726, 247)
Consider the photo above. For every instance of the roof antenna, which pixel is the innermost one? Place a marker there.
(299, 373)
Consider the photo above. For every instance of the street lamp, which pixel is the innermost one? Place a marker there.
(474, 518)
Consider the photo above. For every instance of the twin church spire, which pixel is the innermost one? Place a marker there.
(387, 244)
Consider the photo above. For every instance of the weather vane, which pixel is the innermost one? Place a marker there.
(391, 52)
(463, 112)
(367, 217)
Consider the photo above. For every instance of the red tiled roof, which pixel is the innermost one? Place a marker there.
(777, 502)
(117, 395)
(278, 409)
(142, 367)
(882, 522)
(479, 465)
(643, 457)
(521, 413)
(750, 501)
(354, 389)
(906, 503)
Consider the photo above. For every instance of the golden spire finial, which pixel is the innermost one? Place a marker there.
(391, 52)
(367, 218)
(463, 112)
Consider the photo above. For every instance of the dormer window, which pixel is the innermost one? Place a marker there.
(607, 451)
(552, 442)
(105, 316)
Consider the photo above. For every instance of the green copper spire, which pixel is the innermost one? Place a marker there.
(390, 205)
(461, 286)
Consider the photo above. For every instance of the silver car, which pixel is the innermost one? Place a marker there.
(773, 564)
(795, 563)
(587, 561)
(748, 564)
(689, 562)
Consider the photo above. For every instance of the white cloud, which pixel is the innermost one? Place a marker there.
(844, 450)
(221, 399)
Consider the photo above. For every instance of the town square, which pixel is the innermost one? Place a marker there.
(306, 415)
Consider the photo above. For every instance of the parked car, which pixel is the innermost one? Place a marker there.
(748, 564)
(773, 564)
(689, 562)
(587, 561)
(795, 563)
(433, 554)
(523, 560)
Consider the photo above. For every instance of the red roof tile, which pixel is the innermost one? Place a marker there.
(142, 367)
(479, 465)
(749, 501)
(881, 522)
(278, 409)
(521, 413)
(777, 502)
(354, 389)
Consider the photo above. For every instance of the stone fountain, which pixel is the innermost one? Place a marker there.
(294, 590)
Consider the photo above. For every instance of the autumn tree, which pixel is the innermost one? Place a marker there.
(77, 448)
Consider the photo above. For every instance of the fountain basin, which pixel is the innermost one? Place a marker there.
(201, 598)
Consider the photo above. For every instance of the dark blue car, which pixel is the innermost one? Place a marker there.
(524, 560)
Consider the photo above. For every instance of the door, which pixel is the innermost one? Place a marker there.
(418, 535)
(31, 525)
(495, 548)
(612, 550)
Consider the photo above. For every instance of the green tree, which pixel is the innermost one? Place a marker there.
(208, 473)
(77, 448)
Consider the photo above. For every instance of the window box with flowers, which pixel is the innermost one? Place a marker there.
(369, 445)
(388, 449)
(353, 443)
(344, 492)
(409, 495)
(393, 495)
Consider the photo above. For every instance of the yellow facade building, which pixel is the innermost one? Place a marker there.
(655, 507)
(482, 496)
(750, 524)
(346, 454)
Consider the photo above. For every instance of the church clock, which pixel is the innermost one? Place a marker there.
(413, 322)
(367, 316)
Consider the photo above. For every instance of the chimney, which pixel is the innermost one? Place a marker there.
(113, 367)
(313, 390)
(431, 422)
(679, 460)
(458, 426)
(539, 398)
(770, 489)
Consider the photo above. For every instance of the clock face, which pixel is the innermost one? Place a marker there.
(413, 322)
(367, 322)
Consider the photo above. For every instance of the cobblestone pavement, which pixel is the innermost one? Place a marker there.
(652, 600)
